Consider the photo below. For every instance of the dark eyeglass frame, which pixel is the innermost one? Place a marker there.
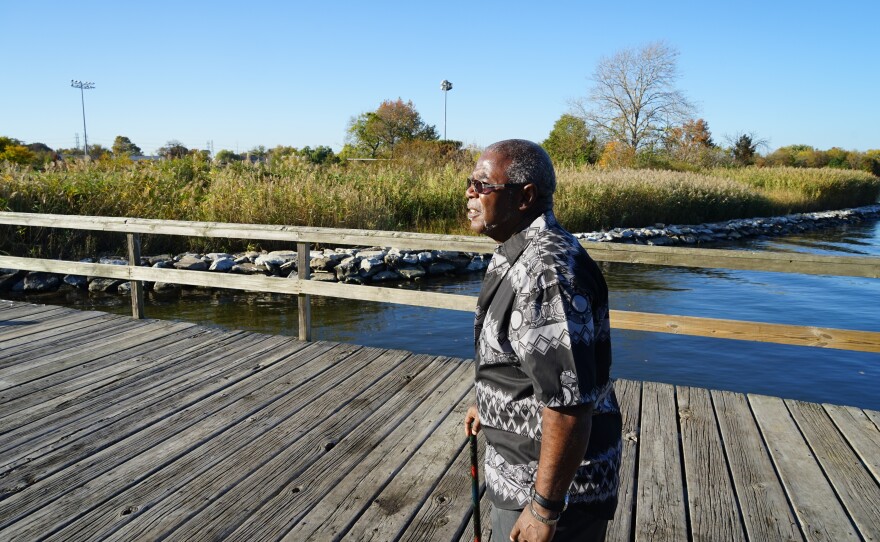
(482, 187)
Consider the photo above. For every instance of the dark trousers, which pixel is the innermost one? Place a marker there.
(575, 525)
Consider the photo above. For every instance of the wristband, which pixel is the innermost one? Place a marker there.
(542, 519)
(553, 506)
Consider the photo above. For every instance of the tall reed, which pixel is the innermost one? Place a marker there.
(401, 196)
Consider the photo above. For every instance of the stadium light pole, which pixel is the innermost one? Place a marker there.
(445, 86)
(83, 86)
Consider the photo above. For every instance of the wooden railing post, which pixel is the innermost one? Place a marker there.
(304, 301)
(137, 287)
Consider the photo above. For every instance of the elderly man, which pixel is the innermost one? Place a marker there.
(545, 401)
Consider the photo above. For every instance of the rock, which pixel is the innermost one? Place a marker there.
(326, 261)
(426, 257)
(41, 282)
(153, 260)
(166, 288)
(18, 286)
(191, 263)
(412, 272)
(409, 258)
(478, 263)
(9, 278)
(441, 268)
(660, 241)
(384, 276)
(248, 268)
(77, 281)
(214, 256)
(372, 253)
(321, 276)
(348, 268)
(124, 288)
(113, 261)
(276, 258)
(371, 266)
(104, 285)
(222, 263)
(164, 264)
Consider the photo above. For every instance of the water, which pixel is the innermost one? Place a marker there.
(811, 374)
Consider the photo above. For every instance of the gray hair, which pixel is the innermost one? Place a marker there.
(529, 163)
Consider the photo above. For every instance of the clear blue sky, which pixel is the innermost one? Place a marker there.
(243, 74)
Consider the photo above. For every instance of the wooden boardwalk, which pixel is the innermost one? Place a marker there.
(118, 429)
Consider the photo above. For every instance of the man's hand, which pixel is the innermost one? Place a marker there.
(472, 417)
(529, 529)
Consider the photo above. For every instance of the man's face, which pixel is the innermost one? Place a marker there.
(496, 213)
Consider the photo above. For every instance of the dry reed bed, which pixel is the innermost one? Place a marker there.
(392, 196)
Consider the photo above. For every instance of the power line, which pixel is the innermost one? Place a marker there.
(82, 86)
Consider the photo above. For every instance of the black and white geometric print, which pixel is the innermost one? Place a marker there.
(500, 411)
(595, 480)
(542, 339)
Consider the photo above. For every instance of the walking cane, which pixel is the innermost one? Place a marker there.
(475, 483)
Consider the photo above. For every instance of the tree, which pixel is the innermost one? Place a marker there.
(633, 97)
(173, 149)
(226, 156)
(122, 146)
(570, 141)
(689, 142)
(745, 148)
(98, 151)
(375, 133)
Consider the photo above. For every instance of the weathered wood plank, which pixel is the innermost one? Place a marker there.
(55, 329)
(114, 468)
(854, 485)
(614, 252)
(448, 509)
(766, 513)
(629, 396)
(821, 337)
(393, 508)
(344, 482)
(821, 516)
(208, 507)
(874, 416)
(117, 410)
(72, 359)
(660, 506)
(712, 505)
(67, 345)
(861, 433)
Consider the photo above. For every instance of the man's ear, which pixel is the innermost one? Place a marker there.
(528, 197)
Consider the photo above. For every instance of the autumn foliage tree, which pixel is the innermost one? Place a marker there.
(376, 133)
(690, 142)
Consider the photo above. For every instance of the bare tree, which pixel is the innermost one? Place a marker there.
(633, 98)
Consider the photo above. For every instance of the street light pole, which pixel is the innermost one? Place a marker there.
(445, 86)
(82, 86)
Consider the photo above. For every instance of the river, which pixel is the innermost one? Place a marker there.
(810, 374)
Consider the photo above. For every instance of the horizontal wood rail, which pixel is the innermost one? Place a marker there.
(864, 341)
(810, 264)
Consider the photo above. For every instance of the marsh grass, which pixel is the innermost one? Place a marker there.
(402, 196)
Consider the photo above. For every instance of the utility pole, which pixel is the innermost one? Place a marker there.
(83, 86)
(445, 86)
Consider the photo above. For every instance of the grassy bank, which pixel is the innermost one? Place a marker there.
(391, 196)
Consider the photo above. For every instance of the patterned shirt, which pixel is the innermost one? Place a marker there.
(542, 338)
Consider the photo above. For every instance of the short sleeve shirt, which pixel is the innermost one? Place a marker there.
(542, 338)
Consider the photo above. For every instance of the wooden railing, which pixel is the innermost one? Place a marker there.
(303, 237)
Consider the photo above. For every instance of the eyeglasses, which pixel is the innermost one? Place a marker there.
(482, 187)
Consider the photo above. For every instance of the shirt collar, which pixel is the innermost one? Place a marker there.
(513, 247)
